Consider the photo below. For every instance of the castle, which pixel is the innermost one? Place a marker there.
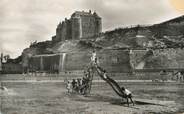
(80, 25)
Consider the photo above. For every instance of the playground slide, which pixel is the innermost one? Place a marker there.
(115, 86)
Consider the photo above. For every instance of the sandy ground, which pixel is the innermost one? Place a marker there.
(52, 98)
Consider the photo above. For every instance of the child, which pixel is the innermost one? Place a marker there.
(128, 95)
(69, 86)
(73, 85)
(104, 74)
(93, 57)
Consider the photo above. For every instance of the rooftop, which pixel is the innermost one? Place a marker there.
(83, 13)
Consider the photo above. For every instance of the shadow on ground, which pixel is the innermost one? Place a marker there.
(111, 100)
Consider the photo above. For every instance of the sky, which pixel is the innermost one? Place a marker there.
(25, 21)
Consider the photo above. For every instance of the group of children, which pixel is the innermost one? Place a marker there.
(79, 85)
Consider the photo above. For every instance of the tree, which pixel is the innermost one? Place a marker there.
(6, 57)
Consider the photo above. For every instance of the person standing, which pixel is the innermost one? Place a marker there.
(73, 85)
(93, 57)
(69, 86)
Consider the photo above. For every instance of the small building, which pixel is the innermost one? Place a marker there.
(11, 68)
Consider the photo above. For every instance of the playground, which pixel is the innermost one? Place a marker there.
(41, 97)
(87, 96)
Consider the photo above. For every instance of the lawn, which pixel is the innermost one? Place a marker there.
(52, 98)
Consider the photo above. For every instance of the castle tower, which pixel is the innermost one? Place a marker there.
(63, 31)
(98, 23)
(76, 27)
(58, 32)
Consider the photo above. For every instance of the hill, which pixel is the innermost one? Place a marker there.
(167, 37)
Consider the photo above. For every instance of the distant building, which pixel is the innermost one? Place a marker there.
(80, 25)
(11, 68)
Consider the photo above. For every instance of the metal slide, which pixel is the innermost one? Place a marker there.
(115, 86)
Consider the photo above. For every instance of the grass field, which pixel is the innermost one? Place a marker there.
(52, 98)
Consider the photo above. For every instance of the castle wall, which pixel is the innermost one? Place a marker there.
(98, 24)
(45, 63)
(58, 33)
(68, 30)
(63, 31)
(166, 58)
(77, 61)
(76, 28)
(136, 57)
(114, 60)
(34, 64)
(111, 60)
(157, 59)
(90, 26)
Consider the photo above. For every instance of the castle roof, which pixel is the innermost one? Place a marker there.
(83, 13)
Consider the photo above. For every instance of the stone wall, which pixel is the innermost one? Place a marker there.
(45, 63)
(169, 58)
(110, 60)
(137, 57)
(166, 58)
(114, 60)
